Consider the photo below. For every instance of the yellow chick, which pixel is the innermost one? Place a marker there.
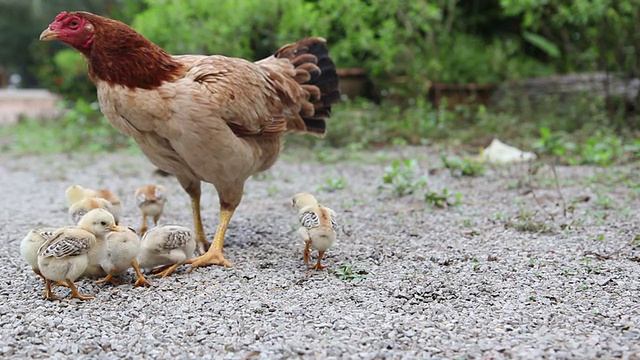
(80, 208)
(31, 243)
(318, 226)
(63, 258)
(166, 247)
(68, 253)
(122, 249)
(76, 193)
(150, 199)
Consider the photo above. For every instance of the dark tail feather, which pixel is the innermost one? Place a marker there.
(314, 69)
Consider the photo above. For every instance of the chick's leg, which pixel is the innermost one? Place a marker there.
(48, 294)
(75, 294)
(214, 255)
(306, 251)
(143, 228)
(140, 281)
(108, 279)
(168, 271)
(318, 265)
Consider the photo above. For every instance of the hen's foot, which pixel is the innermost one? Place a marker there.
(214, 257)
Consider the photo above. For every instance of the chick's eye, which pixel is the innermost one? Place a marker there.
(103, 223)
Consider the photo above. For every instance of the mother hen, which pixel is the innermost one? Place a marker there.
(203, 118)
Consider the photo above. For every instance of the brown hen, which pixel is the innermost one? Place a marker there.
(203, 118)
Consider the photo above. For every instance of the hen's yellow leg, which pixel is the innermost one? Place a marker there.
(75, 294)
(201, 239)
(140, 281)
(48, 294)
(214, 255)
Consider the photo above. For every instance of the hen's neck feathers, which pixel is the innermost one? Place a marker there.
(121, 56)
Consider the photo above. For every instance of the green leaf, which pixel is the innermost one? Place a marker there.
(542, 43)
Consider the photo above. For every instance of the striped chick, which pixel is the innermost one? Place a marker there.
(318, 226)
(166, 247)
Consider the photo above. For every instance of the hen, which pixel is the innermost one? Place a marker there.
(203, 118)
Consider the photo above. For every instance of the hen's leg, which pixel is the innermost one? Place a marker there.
(318, 265)
(143, 228)
(214, 255)
(140, 281)
(75, 294)
(48, 294)
(155, 219)
(306, 251)
(201, 239)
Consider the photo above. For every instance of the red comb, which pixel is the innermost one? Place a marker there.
(61, 16)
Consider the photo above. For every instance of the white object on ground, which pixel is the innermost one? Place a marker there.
(500, 153)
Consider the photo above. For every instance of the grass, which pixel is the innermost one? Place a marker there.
(349, 273)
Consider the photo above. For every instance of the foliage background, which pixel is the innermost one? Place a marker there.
(405, 46)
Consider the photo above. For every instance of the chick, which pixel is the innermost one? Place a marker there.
(166, 247)
(80, 208)
(150, 199)
(76, 193)
(99, 222)
(31, 243)
(63, 258)
(318, 226)
(122, 248)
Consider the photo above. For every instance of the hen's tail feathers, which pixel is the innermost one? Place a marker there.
(316, 72)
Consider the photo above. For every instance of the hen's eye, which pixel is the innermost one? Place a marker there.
(73, 23)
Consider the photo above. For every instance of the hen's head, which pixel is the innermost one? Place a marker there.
(73, 28)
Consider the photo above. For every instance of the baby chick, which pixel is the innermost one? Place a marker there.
(76, 193)
(318, 226)
(123, 246)
(99, 222)
(166, 247)
(150, 199)
(67, 254)
(80, 208)
(63, 258)
(31, 243)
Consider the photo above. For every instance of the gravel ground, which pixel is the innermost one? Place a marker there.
(503, 274)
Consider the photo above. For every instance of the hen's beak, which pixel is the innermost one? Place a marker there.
(48, 35)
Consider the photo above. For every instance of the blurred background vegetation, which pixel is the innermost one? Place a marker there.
(555, 75)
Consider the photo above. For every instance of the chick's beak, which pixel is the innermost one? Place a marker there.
(114, 228)
(48, 35)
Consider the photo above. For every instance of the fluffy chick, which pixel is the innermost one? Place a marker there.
(68, 253)
(122, 249)
(80, 208)
(99, 222)
(166, 247)
(76, 193)
(150, 199)
(31, 243)
(318, 226)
